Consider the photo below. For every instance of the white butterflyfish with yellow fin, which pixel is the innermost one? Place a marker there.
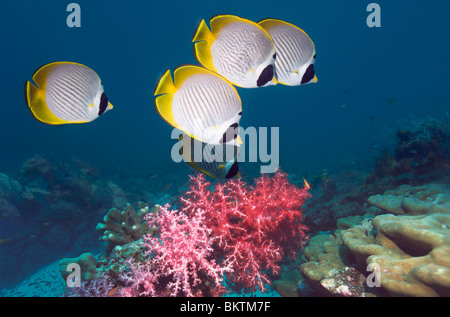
(296, 53)
(65, 93)
(200, 103)
(219, 161)
(236, 48)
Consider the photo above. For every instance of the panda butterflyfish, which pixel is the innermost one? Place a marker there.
(238, 49)
(200, 103)
(296, 53)
(66, 92)
(218, 161)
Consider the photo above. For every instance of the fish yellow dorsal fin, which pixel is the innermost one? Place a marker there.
(185, 71)
(269, 23)
(202, 33)
(203, 39)
(35, 99)
(165, 85)
(219, 21)
(40, 76)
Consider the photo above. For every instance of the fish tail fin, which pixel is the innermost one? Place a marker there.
(202, 32)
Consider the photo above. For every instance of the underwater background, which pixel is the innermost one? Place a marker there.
(372, 83)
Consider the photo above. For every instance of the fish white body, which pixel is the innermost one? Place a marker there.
(199, 102)
(67, 93)
(237, 49)
(296, 53)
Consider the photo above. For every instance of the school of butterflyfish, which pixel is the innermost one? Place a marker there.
(201, 101)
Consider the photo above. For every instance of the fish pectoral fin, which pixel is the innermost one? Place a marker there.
(36, 103)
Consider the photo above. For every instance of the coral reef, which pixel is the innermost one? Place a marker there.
(179, 259)
(423, 147)
(334, 196)
(122, 227)
(48, 212)
(408, 248)
(68, 189)
(102, 286)
(233, 232)
(10, 189)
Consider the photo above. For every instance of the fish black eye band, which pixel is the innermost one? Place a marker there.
(103, 104)
(233, 170)
(231, 133)
(266, 76)
(309, 74)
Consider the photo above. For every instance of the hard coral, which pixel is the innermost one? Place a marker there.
(122, 227)
(414, 200)
(411, 250)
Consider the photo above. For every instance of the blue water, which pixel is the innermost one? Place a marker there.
(130, 44)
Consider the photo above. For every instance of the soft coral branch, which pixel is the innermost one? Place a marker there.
(233, 230)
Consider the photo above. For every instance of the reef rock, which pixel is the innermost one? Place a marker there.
(347, 282)
(10, 189)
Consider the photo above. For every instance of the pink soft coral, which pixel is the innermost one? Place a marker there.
(236, 230)
(180, 262)
(253, 227)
